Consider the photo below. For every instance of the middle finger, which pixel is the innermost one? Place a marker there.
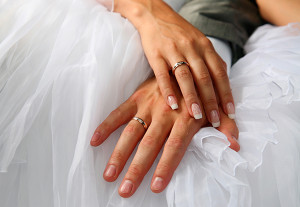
(206, 90)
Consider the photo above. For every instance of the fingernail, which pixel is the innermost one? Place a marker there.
(157, 184)
(172, 102)
(96, 137)
(230, 110)
(215, 120)
(126, 187)
(110, 171)
(196, 111)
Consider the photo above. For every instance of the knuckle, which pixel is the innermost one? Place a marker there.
(227, 95)
(117, 157)
(135, 170)
(206, 43)
(155, 53)
(176, 143)
(162, 75)
(149, 141)
(116, 113)
(172, 45)
(137, 96)
(104, 127)
(205, 79)
(199, 63)
(221, 74)
(129, 129)
(190, 97)
(212, 102)
(187, 42)
(163, 168)
(182, 73)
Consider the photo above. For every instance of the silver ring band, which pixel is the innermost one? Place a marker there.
(179, 64)
(141, 121)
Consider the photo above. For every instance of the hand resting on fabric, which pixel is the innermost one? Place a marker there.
(167, 39)
(167, 129)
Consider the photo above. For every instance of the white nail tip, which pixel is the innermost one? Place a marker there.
(198, 116)
(196, 111)
(217, 124)
(231, 116)
(174, 106)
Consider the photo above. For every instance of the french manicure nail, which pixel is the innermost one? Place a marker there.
(230, 110)
(110, 171)
(172, 102)
(96, 137)
(196, 111)
(215, 120)
(157, 184)
(126, 187)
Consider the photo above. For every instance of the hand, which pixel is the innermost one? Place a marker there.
(175, 129)
(167, 39)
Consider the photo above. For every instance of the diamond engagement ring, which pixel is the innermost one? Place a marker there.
(179, 64)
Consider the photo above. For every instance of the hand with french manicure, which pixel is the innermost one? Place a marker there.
(167, 129)
(167, 39)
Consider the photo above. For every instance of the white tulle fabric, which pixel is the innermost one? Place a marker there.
(66, 64)
(109, 4)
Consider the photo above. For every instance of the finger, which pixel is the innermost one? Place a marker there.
(115, 119)
(187, 87)
(147, 151)
(130, 136)
(173, 152)
(220, 79)
(205, 88)
(161, 72)
(230, 129)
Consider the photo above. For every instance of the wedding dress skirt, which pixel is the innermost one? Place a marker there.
(65, 65)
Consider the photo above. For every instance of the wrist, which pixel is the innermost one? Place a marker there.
(142, 12)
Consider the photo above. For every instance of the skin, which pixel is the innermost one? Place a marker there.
(166, 41)
(280, 12)
(169, 130)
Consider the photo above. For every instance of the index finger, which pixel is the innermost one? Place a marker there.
(115, 119)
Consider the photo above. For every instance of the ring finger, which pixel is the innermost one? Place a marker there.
(187, 86)
(129, 138)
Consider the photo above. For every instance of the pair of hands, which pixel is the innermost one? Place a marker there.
(167, 39)
(169, 129)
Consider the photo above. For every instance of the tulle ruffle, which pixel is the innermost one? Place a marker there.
(64, 67)
(260, 81)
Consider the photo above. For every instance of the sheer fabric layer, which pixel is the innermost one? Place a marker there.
(66, 65)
